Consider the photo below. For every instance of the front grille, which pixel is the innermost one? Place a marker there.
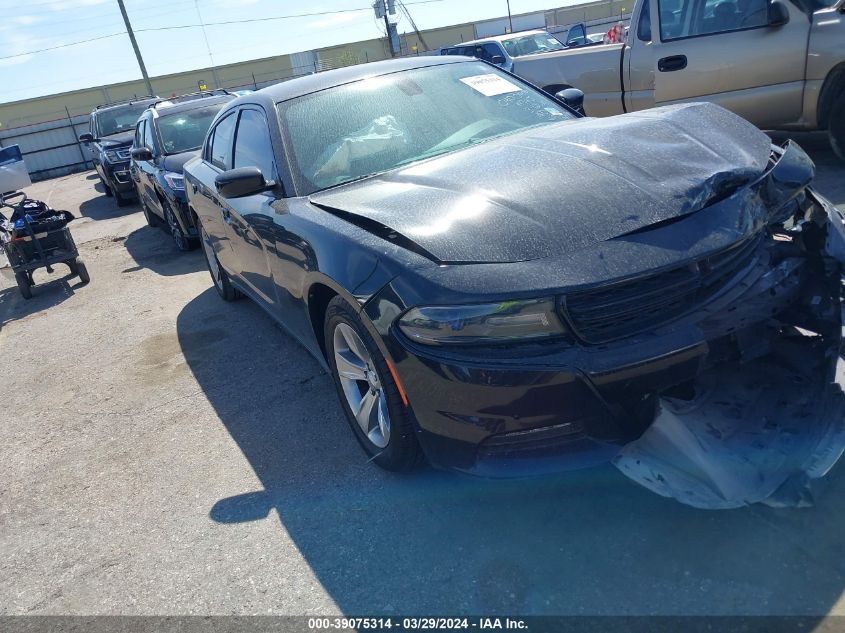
(123, 154)
(623, 308)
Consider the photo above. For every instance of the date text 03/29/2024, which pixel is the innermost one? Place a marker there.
(417, 623)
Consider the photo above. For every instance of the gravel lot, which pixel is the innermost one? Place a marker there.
(166, 453)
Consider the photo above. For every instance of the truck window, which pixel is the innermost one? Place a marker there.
(577, 36)
(490, 51)
(708, 17)
(644, 25)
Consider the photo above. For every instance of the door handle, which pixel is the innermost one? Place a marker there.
(671, 63)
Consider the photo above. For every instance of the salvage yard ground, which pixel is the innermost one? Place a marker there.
(166, 453)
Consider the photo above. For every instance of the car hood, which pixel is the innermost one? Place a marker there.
(118, 140)
(176, 162)
(559, 188)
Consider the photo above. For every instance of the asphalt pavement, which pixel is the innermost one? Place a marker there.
(164, 452)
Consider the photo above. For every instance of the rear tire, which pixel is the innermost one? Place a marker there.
(121, 201)
(222, 283)
(836, 127)
(106, 189)
(386, 430)
(24, 285)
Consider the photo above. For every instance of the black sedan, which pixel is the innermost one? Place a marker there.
(167, 135)
(502, 285)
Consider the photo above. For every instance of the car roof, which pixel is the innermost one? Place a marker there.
(301, 86)
(114, 106)
(500, 38)
(163, 107)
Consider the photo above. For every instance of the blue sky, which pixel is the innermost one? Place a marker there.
(29, 25)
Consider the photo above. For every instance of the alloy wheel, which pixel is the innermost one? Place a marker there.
(362, 385)
(176, 230)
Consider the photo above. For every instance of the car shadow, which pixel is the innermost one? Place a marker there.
(428, 542)
(50, 290)
(103, 207)
(153, 248)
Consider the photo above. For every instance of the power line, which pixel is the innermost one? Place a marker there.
(192, 26)
(58, 46)
(278, 17)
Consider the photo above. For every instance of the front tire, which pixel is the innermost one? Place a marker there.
(222, 283)
(182, 241)
(370, 398)
(149, 216)
(836, 127)
(106, 189)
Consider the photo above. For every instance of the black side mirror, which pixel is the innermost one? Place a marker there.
(243, 181)
(141, 153)
(87, 138)
(572, 97)
(778, 13)
(497, 59)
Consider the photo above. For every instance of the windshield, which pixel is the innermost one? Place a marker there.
(116, 120)
(374, 125)
(532, 44)
(185, 131)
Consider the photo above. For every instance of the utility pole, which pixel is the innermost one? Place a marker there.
(510, 20)
(382, 9)
(135, 46)
(387, 29)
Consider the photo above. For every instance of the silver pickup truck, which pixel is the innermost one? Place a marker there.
(778, 63)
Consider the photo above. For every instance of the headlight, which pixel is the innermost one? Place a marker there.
(483, 323)
(112, 156)
(175, 181)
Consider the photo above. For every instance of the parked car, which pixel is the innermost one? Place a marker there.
(110, 135)
(503, 285)
(167, 135)
(780, 64)
(502, 50)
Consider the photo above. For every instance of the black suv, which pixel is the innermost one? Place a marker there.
(112, 128)
(167, 135)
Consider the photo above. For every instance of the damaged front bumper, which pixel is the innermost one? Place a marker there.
(732, 402)
(759, 429)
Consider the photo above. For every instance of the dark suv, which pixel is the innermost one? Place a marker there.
(167, 135)
(112, 129)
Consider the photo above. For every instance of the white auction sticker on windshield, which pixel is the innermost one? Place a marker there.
(490, 85)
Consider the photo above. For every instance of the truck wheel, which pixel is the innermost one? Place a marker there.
(106, 189)
(836, 127)
(23, 285)
(121, 201)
